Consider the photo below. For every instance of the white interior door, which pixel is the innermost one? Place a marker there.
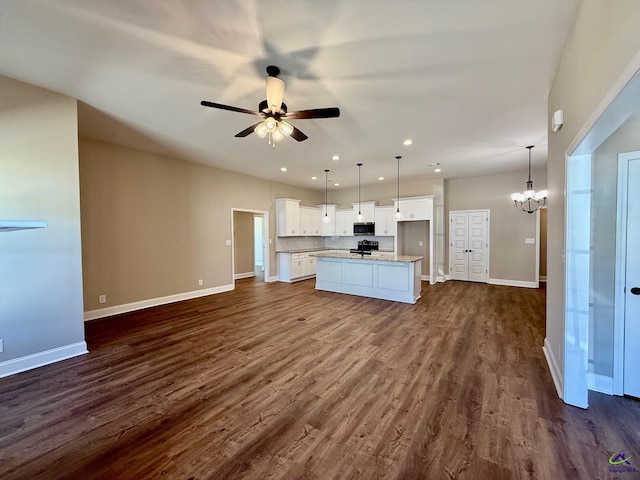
(632, 283)
(469, 245)
(458, 245)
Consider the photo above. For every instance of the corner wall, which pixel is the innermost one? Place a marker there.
(41, 311)
(604, 39)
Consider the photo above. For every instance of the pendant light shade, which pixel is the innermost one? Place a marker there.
(398, 215)
(326, 218)
(359, 217)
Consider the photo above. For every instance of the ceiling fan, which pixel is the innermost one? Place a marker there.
(274, 112)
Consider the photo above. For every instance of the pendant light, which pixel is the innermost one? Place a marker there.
(326, 218)
(530, 200)
(359, 217)
(398, 215)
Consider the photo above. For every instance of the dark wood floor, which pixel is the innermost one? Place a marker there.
(281, 381)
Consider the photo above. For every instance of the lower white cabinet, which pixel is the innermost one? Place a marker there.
(296, 266)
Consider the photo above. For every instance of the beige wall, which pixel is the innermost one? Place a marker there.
(510, 257)
(243, 251)
(384, 192)
(604, 39)
(152, 226)
(40, 274)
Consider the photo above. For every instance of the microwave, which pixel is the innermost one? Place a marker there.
(364, 228)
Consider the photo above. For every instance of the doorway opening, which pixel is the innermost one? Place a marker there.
(594, 335)
(250, 244)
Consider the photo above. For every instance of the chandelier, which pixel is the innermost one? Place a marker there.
(274, 129)
(529, 201)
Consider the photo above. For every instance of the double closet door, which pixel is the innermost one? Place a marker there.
(469, 245)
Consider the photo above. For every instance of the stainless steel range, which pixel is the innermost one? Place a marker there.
(365, 247)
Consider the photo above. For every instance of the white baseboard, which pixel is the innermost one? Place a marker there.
(154, 302)
(556, 374)
(512, 283)
(35, 360)
(238, 276)
(273, 279)
(600, 383)
(425, 278)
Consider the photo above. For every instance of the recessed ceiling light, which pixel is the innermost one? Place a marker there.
(380, 178)
(337, 184)
(314, 178)
(438, 170)
(283, 169)
(335, 157)
(408, 141)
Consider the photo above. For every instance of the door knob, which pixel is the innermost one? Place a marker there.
(635, 290)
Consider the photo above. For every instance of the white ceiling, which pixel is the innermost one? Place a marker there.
(466, 80)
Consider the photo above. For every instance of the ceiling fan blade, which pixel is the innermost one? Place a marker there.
(331, 112)
(247, 130)
(204, 103)
(298, 135)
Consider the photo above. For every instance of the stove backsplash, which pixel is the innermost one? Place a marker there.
(337, 243)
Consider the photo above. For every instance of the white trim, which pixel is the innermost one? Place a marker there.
(35, 360)
(425, 278)
(272, 279)
(553, 367)
(153, 302)
(512, 283)
(537, 248)
(600, 383)
(239, 276)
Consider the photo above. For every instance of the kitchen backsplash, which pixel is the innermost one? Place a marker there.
(338, 243)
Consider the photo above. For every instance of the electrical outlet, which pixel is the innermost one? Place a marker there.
(421, 243)
(200, 282)
(228, 243)
(1, 345)
(102, 299)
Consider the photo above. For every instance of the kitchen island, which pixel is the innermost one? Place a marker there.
(389, 277)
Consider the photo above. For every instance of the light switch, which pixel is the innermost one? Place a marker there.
(421, 243)
(228, 243)
(529, 240)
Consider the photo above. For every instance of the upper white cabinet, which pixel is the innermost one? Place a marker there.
(367, 209)
(309, 221)
(344, 222)
(288, 217)
(385, 221)
(416, 208)
(328, 229)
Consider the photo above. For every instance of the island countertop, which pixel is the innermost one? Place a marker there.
(376, 257)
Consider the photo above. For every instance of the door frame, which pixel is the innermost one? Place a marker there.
(620, 278)
(488, 211)
(265, 242)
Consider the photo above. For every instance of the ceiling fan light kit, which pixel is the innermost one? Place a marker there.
(530, 201)
(274, 113)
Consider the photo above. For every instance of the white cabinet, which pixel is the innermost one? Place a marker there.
(295, 266)
(309, 221)
(287, 217)
(416, 208)
(344, 222)
(385, 221)
(328, 229)
(367, 209)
